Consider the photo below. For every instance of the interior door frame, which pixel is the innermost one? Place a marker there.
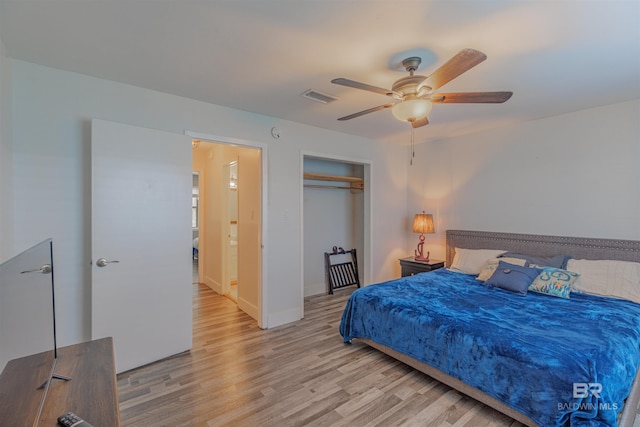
(201, 224)
(263, 288)
(226, 221)
(225, 285)
(367, 165)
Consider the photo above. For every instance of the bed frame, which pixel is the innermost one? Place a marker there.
(577, 247)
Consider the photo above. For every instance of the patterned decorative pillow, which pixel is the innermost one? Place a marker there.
(491, 265)
(554, 281)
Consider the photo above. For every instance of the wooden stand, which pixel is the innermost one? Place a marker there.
(91, 393)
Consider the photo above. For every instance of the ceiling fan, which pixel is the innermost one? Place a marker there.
(415, 94)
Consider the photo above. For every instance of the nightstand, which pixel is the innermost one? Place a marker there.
(410, 266)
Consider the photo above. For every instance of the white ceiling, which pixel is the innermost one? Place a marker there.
(260, 55)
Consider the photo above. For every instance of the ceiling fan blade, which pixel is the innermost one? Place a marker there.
(461, 62)
(364, 86)
(420, 122)
(362, 113)
(471, 97)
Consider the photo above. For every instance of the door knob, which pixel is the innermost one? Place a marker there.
(102, 262)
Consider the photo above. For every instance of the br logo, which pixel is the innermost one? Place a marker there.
(581, 390)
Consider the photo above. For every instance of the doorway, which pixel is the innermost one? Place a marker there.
(230, 221)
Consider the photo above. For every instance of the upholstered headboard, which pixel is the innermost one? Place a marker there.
(532, 244)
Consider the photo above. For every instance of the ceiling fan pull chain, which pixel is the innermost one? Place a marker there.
(413, 152)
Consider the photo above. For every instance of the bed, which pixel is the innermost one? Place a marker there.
(539, 359)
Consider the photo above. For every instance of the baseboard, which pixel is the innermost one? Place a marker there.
(215, 286)
(283, 317)
(251, 309)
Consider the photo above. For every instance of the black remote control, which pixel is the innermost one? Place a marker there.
(72, 420)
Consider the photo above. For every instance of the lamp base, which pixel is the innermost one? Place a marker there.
(419, 256)
(422, 258)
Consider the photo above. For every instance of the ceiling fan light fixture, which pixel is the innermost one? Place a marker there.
(415, 94)
(411, 109)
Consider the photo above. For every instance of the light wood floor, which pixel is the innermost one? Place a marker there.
(299, 374)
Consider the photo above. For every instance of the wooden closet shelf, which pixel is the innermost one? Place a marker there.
(355, 183)
(323, 177)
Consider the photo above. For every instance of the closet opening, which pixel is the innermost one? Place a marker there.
(334, 214)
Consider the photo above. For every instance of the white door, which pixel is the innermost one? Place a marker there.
(140, 241)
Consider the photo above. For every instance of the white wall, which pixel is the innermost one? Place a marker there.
(574, 175)
(51, 127)
(6, 158)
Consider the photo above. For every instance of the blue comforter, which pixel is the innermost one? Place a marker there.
(559, 361)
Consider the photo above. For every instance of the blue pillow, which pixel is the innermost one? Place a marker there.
(556, 261)
(514, 278)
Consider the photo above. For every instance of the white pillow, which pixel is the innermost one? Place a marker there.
(618, 279)
(490, 266)
(471, 261)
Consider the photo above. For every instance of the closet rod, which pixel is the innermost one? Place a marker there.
(327, 186)
(355, 184)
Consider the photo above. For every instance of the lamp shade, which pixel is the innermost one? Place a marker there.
(423, 223)
(411, 109)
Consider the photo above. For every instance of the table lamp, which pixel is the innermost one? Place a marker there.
(423, 224)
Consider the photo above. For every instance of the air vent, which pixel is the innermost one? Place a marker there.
(314, 95)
